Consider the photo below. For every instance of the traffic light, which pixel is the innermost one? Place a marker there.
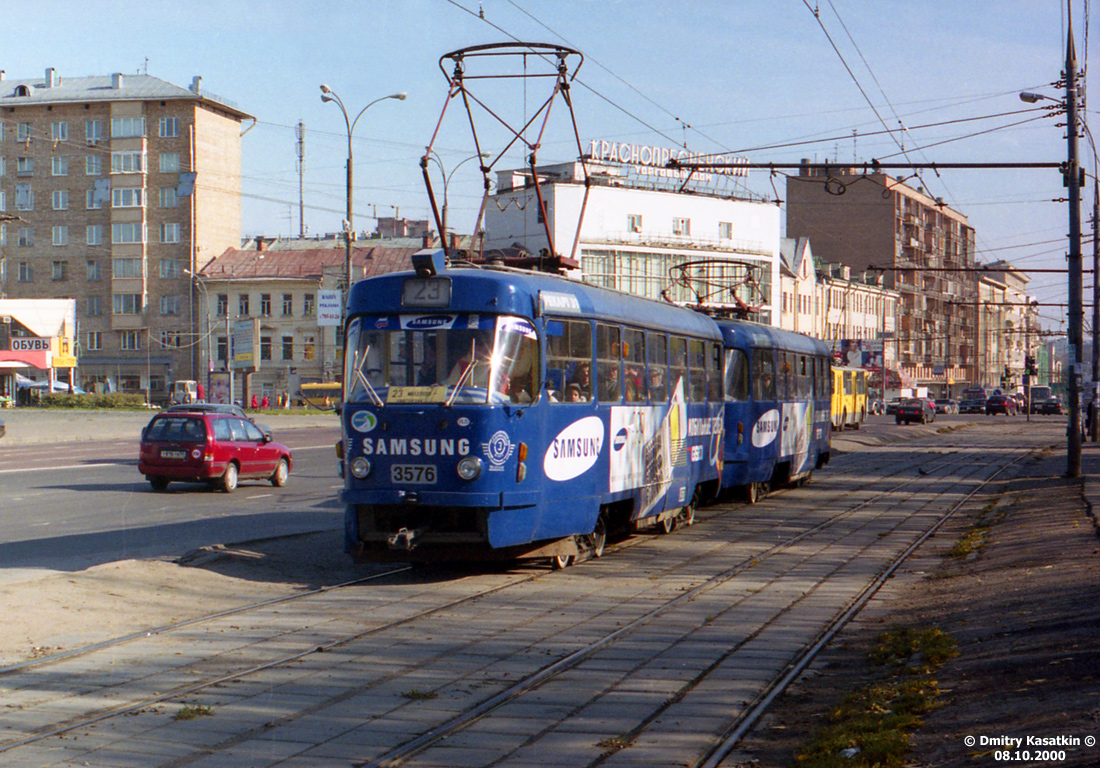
(1029, 364)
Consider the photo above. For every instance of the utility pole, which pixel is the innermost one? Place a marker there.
(301, 133)
(1073, 179)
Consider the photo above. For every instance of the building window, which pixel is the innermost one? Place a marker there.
(309, 348)
(170, 339)
(3, 164)
(61, 235)
(170, 268)
(24, 197)
(24, 131)
(223, 304)
(681, 226)
(288, 347)
(94, 306)
(128, 232)
(127, 197)
(169, 233)
(123, 268)
(60, 166)
(265, 304)
(94, 340)
(169, 305)
(242, 304)
(127, 127)
(93, 165)
(94, 234)
(26, 272)
(93, 131)
(127, 162)
(3, 201)
(288, 304)
(170, 162)
(308, 309)
(169, 127)
(94, 273)
(26, 237)
(169, 198)
(60, 270)
(725, 230)
(126, 304)
(223, 348)
(59, 130)
(61, 199)
(24, 166)
(634, 222)
(129, 341)
(265, 347)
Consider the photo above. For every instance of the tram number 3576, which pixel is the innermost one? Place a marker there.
(413, 474)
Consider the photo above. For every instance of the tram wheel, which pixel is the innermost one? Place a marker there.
(756, 491)
(598, 538)
(668, 525)
(560, 562)
(686, 516)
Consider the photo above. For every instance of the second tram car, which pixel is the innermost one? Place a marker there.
(777, 393)
(506, 413)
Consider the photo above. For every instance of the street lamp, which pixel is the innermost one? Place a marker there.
(432, 155)
(327, 94)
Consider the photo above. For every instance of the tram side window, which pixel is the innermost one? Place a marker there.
(657, 347)
(608, 365)
(678, 365)
(569, 361)
(737, 376)
(634, 380)
(803, 380)
(763, 380)
(714, 379)
(697, 361)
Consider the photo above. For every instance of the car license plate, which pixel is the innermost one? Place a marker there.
(413, 474)
(173, 454)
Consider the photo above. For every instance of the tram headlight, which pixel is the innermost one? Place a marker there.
(360, 467)
(469, 468)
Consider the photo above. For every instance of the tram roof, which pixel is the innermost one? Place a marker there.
(742, 333)
(524, 293)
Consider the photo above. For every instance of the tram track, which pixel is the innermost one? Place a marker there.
(547, 674)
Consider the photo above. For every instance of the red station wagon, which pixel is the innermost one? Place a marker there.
(216, 448)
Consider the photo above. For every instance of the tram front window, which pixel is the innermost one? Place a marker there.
(447, 362)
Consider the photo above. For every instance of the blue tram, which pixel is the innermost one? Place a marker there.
(491, 412)
(777, 414)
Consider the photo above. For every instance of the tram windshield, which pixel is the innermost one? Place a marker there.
(443, 359)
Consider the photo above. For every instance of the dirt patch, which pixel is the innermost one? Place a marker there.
(64, 611)
(1024, 606)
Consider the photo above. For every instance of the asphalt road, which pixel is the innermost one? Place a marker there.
(72, 505)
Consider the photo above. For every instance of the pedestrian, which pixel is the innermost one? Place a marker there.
(201, 394)
(255, 402)
(265, 404)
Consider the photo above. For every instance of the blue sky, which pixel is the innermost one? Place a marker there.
(757, 77)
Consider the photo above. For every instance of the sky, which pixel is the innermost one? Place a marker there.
(773, 81)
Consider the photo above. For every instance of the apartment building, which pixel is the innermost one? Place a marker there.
(924, 249)
(122, 187)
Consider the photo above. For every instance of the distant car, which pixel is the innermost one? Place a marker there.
(1051, 406)
(892, 406)
(1005, 404)
(947, 406)
(915, 409)
(972, 405)
(211, 447)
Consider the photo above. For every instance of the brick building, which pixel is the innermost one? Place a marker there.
(123, 186)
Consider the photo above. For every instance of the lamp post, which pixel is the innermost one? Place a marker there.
(432, 155)
(327, 94)
(1074, 298)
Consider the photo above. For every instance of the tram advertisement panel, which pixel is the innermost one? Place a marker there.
(645, 449)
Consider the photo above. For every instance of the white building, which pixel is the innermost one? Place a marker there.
(633, 224)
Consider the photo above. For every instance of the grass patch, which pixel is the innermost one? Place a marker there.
(614, 744)
(871, 727)
(190, 712)
(977, 536)
(415, 695)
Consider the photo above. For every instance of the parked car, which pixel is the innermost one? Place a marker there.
(1051, 406)
(947, 406)
(972, 405)
(915, 409)
(212, 447)
(1005, 404)
(892, 406)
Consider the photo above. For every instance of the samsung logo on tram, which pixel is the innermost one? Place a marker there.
(435, 321)
(574, 450)
(400, 446)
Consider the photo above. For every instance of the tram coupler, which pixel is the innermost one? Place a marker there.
(404, 539)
